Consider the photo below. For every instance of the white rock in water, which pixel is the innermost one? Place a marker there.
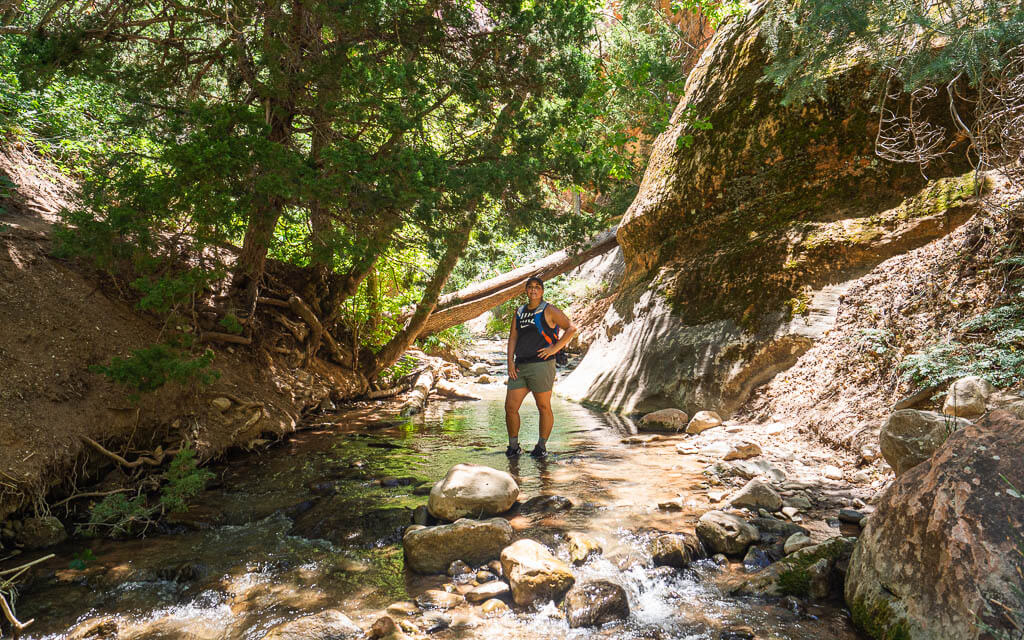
(472, 490)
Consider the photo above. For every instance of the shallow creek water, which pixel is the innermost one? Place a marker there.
(307, 525)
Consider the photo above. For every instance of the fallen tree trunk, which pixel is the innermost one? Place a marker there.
(418, 396)
(550, 266)
(472, 301)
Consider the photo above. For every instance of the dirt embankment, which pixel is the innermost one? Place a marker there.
(57, 319)
(844, 387)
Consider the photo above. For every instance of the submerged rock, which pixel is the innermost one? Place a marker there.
(326, 625)
(434, 549)
(472, 490)
(942, 546)
(533, 573)
(595, 603)
(546, 504)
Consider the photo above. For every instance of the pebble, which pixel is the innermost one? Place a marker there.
(717, 496)
(494, 607)
(790, 512)
(403, 608)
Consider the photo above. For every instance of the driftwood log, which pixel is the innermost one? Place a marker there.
(420, 392)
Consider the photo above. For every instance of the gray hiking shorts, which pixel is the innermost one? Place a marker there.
(538, 377)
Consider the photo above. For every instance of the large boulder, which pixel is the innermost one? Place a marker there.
(595, 603)
(533, 573)
(725, 533)
(472, 490)
(944, 544)
(664, 420)
(967, 397)
(326, 625)
(909, 437)
(433, 549)
(770, 205)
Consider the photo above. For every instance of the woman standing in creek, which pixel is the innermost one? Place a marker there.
(533, 342)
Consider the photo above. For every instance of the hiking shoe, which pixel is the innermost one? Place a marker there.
(539, 451)
(513, 452)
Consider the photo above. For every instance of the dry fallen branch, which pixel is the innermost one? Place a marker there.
(19, 569)
(155, 461)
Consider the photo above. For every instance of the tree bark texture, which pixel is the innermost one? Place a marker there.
(395, 347)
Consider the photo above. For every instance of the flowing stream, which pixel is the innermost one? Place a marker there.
(316, 523)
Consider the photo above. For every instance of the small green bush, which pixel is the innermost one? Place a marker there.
(117, 515)
(185, 480)
(992, 347)
(151, 368)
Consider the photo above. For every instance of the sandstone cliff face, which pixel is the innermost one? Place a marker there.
(736, 248)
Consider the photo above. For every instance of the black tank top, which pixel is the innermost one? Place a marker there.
(530, 341)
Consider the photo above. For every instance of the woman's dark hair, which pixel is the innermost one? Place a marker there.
(534, 279)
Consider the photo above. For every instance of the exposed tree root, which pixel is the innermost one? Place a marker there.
(389, 392)
(217, 336)
(155, 461)
(302, 310)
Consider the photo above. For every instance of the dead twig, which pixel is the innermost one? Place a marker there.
(89, 494)
(16, 625)
(21, 568)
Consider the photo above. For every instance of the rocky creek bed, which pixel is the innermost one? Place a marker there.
(304, 539)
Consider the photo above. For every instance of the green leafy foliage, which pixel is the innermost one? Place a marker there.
(992, 347)
(117, 515)
(917, 42)
(150, 368)
(80, 560)
(184, 480)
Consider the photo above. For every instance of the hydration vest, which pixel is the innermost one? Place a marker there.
(548, 334)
